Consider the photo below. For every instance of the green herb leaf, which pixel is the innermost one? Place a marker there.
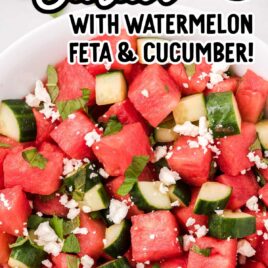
(255, 146)
(69, 226)
(132, 173)
(152, 140)
(201, 251)
(4, 145)
(190, 69)
(72, 262)
(52, 83)
(113, 126)
(70, 106)
(34, 158)
(19, 242)
(34, 221)
(156, 265)
(71, 244)
(57, 224)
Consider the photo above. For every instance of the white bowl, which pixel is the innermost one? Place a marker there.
(26, 60)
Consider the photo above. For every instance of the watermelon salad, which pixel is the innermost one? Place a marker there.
(117, 166)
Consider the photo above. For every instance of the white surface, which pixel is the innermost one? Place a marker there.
(18, 17)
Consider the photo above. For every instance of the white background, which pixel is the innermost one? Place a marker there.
(18, 17)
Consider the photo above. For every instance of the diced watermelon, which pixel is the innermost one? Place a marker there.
(70, 136)
(253, 264)
(193, 164)
(136, 69)
(243, 187)
(261, 252)
(163, 226)
(223, 254)
(50, 206)
(184, 213)
(196, 84)
(229, 84)
(61, 261)
(234, 150)
(44, 127)
(73, 78)
(116, 151)
(5, 241)
(264, 173)
(91, 244)
(32, 179)
(14, 210)
(251, 96)
(160, 97)
(263, 192)
(126, 114)
(174, 263)
(95, 69)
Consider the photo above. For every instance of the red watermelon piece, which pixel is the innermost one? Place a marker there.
(70, 136)
(91, 244)
(5, 241)
(136, 69)
(193, 164)
(223, 254)
(196, 84)
(264, 173)
(14, 210)
(116, 151)
(163, 94)
(175, 263)
(251, 96)
(163, 226)
(73, 78)
(61, 261)
(234, 150)
(253, 264)
(243, 187)
(229, 84)
(31, 178)
(50, 206)
(263, 192)
(261, 252)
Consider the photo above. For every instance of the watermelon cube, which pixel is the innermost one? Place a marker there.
(251, 96)
(154, 236)
(253, 264)
(261, 252)
(193, 164)
(154, 94)
(229, 84)
(33, 179)
(223, 254)
(136, 69)
(70, 135)
(73, 78)
(63, 260)
(14, 210)
(5, 241)
(116, 151)
(175, 263)
(234, 150)
(243, 187)
(91, 244)
(263, 192)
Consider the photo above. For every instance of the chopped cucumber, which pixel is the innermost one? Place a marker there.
(147, 196)
(262, 130)
(96, 198)
(180, 192)
(212, 196)
(164, 132)
(17, 120)
(117, 239)
(190, 108)
(223, 114)
(110, 88)
(118, 263)
(231, 224)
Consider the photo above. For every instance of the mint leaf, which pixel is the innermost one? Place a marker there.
(19, 242)
(52, 83)
(113, 126)
(72, 261)
(34, 158)
(71, 244)
(34, 221)
(255, 146)
(4, 145)
(201, 251)
(190, 69)
(69, 226)
(56, 224)
(132, 173)
(70, 106)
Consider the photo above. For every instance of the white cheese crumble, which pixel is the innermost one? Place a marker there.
(159, 153)
(219, 211)
(92, 137)
(252, 203)
(47, 263)
(187, 240)
(185, 85)
(257, 160)
(168, 177)
(71, 116)
(49, 112)
(190, 221)
(162, 188)
(217, 74)
(187, 129)
(266, 154)
(70, 165)
(82, 231)
(5, 201)
(145, 93)
(72, 205)
(175, 203)
(103, 173)
(201, 231)
(140, 265)
(86, 209)
(244, 248)
(117, 211)
(87, 262)
(193, 144)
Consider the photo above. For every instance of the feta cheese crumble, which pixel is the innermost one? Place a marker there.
(70, 165)
(5, 201)
(72, 205)
(252, 203)
(103, 173)
(244, 248)
(168, 177)
(87, 262)
(159, 153)
(187, 129)
(190, 221)
(92, 137)
(145, 93)
(82, 231)
(47, 263)
(117, 211)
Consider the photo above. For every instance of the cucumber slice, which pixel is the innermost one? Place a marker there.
(26, 256)
(118, 263)
(117, 239)
(223, 114)
(231, 224)
(212, 196)
(164, 132)
(180, 192)
(147, 196)
(96, 198)
(110, 88)
(262, 130)
(190, 108)
(17, 120)
(140, 44)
